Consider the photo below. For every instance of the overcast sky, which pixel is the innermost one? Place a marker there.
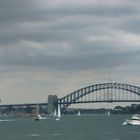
(58, 46)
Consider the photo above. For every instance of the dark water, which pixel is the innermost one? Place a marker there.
(97, 127)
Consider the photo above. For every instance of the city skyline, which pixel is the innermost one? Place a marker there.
(58, 46)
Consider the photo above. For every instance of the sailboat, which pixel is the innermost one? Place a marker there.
(54, 114)
(38, 116)
(79, 114)
(108, 113)
(58, 113)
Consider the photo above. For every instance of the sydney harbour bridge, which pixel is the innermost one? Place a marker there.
(98, 93)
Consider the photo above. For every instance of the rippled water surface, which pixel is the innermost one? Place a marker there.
(94, 127)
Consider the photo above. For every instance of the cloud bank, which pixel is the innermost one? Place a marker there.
(57, 46)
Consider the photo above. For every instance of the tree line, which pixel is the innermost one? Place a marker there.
(133, 109)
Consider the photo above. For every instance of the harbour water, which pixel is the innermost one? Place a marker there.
(87, 127)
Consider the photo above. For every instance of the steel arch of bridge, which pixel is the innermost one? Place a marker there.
(74, 97)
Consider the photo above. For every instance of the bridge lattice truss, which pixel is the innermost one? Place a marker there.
(105, 92)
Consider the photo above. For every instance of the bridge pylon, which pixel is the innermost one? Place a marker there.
(52, 104)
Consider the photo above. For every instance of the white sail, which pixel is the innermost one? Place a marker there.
(79, 114)
(108, 113)
(54, 113)
(59, 111)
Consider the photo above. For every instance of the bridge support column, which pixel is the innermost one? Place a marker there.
(52, 104)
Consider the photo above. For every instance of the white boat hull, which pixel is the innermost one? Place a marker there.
(39, 117)
(133, 122)
(57, 119)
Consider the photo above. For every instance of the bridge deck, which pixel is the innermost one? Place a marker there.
(17, 105)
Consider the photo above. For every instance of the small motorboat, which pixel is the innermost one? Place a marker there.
(135, 120)
(38, 116)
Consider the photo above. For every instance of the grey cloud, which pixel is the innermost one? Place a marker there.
(54, 40)
(69, 24)
(83, 19)
(72, 62)
(93, 10)
(19, 11)
(131, 25)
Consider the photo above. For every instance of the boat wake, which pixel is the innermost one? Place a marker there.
(124, 123)
(8, 120)
(56, 134)
(35, 135)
